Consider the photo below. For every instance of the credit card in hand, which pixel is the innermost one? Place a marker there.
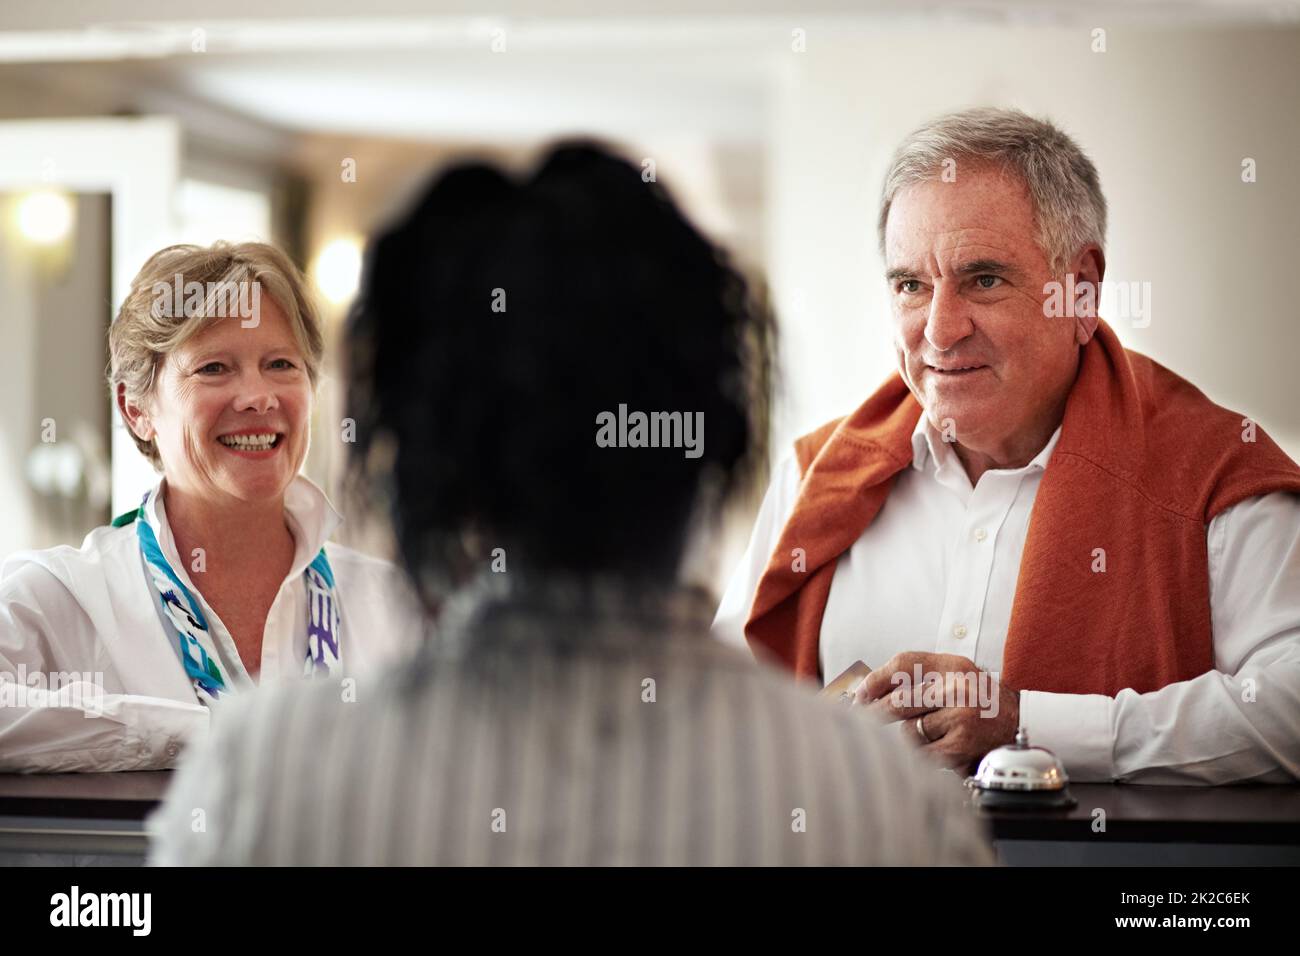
(841, 688)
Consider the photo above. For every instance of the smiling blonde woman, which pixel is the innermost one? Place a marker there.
(223, 578)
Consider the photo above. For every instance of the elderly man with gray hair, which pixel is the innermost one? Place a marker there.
(1030, 525)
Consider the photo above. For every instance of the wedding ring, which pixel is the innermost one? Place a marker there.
(920, 729)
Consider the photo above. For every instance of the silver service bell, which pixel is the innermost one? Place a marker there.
(1020, 777)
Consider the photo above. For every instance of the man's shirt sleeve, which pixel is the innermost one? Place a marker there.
(738, 598)
(1239, 722)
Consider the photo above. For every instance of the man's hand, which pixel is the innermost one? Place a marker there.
(964, 711)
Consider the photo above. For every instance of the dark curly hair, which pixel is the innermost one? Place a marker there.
(479, 426)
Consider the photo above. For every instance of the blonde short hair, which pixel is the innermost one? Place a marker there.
(143, 334)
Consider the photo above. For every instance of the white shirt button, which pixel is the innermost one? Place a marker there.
(959, 631)
(980, 534)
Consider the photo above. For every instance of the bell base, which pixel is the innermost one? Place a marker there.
(1024, 799)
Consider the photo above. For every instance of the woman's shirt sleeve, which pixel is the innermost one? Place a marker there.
(58, 711)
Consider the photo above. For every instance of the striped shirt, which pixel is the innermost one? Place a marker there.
(563, 730)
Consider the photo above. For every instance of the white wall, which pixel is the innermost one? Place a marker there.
(17, 397)
(1166, 116)
(135, 161)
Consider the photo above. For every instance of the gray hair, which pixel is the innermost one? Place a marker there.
(1062, 181)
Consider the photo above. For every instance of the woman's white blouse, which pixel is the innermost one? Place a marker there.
(91, 680)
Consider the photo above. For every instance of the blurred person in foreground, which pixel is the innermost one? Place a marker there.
(572, 708)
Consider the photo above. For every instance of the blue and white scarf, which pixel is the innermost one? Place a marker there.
(183, 617)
